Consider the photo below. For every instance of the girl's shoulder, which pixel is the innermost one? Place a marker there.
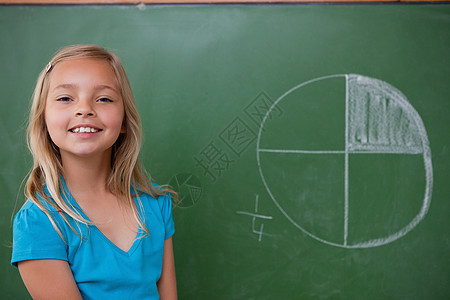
(30, 208)
(32, 213)
(35, 237)
(154, 192)
(160, 199)
(157, 208)
(29, 205)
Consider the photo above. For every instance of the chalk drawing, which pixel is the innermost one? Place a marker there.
(254, 216)
(378, 120)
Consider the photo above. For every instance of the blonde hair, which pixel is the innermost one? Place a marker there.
(47, 168)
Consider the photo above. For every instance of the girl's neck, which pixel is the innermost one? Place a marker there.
(87, 175)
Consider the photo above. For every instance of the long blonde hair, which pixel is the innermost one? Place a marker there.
(47, 168)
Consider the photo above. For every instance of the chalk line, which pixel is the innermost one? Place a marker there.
(346, 209)
(254, 215)
(351, 150)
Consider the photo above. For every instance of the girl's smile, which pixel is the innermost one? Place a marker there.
(84, 128)
(84, 110)
(85, 131)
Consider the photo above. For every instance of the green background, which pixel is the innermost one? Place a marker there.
(202, 77)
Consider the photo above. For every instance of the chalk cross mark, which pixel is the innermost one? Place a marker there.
(254, 216)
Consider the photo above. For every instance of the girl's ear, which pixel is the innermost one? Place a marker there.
(123, 129)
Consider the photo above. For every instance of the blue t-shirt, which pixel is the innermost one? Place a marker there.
(100, 268)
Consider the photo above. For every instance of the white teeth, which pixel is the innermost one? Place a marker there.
(84, 129)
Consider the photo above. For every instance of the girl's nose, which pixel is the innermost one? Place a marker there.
(85, 109)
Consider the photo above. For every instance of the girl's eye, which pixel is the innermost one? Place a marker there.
(104, 100)
(64, 99)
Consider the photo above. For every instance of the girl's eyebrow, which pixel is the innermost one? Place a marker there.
(105, 87)
(65, 86)
(97, 87)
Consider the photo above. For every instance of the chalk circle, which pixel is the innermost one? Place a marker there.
(306, 167)
(188, 188)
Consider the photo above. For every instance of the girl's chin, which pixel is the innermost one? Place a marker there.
(86, 153)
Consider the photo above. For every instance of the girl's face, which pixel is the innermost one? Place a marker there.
(84, 110)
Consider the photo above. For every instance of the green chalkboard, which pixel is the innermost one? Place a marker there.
(309, 143)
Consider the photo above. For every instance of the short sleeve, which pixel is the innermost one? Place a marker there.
(165, 203)
(34, 236)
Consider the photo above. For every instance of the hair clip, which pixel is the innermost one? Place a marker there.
(48, 67)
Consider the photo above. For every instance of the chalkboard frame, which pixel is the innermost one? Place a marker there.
(150, 2)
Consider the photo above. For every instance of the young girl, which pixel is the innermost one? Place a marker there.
(94, 227)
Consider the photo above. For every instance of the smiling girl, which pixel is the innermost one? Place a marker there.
(94, 227)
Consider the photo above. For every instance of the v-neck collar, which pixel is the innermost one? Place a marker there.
(71, 200)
